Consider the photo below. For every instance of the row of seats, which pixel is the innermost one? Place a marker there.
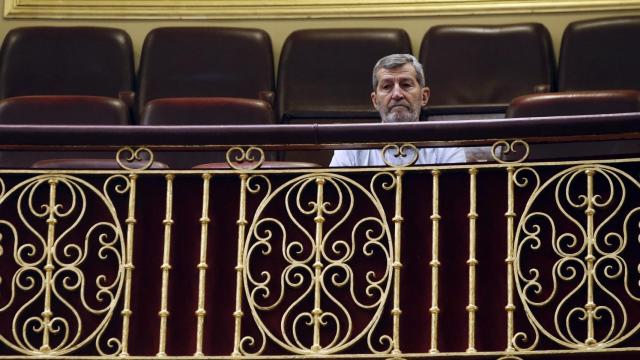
(203, 76)
(202, 110)
(324, 75)
(98, 110)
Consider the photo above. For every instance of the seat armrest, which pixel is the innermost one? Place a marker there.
(541, 88)
(267, 96)
(128, 97)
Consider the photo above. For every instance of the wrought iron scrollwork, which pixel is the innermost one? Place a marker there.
(501, 150)
(54, 285)
(135, 159)
(245, 159)
(316, 288)
(400, 155)
(510, 357)
(586, 242)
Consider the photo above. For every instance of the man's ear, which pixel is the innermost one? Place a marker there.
(374, 100)
(425, 96)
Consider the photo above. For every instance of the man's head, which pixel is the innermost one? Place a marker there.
(399, 90)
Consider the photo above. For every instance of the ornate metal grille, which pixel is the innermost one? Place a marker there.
(318, 265)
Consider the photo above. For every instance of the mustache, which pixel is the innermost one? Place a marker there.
(404, 104)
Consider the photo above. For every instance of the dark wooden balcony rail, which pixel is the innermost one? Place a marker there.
(507, 259)
(463, 132)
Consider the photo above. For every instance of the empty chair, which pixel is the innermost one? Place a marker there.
(67, 61)
(207, 111)
(96, 164)
(63, 110)
(578, 103)
(479, 69)
(59, 110)
(600, 54)
(204, 111)
(205, 62)
(265, 165)
(575, 103)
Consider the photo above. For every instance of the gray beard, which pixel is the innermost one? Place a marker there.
(394, 117)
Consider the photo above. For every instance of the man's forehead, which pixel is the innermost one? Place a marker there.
(404, 71)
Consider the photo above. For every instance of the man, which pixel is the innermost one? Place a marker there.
(399, 93)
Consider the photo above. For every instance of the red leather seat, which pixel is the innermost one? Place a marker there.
(600, 54)
(67, 61)
(207, 111)
(60, 110)
(93, 164)
(205, 62)
(265, 165)
(578, 103)
(63, 110)
(575, 103)
(204, 111)
(479, 69)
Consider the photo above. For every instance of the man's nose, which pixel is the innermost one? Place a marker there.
(397, 92)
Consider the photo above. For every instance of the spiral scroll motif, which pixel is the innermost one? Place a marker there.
(62, 275)
(245, 158)
(574, 260)
(505, 152)
(404, 155)
(132, 159)
(326, 266)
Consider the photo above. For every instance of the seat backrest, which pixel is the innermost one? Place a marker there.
(578, 103)
(63, 110)
(204, 111)
(205, 61)
(265, 165)
(471, 65)
(327, 72)
(66, 61)
(207, 111)
(600, 54)
(575, 103)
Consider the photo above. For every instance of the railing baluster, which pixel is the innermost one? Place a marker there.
(202, 265)
(435, 261)
(128, 266)
(166, 266)
(472, 308)
(317, 266)
(510, 215)
(397, 264)
(590, 306)
(49, 267)
(242, 223)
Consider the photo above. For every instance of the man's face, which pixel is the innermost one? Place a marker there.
(398, 96)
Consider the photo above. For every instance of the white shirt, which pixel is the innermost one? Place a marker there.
(373, 157)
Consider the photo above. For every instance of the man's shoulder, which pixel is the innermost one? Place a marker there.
(344, 158)
(373, 157)
(351, 157)
(446, 155)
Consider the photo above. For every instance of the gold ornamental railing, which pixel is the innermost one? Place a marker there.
(506, 259)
